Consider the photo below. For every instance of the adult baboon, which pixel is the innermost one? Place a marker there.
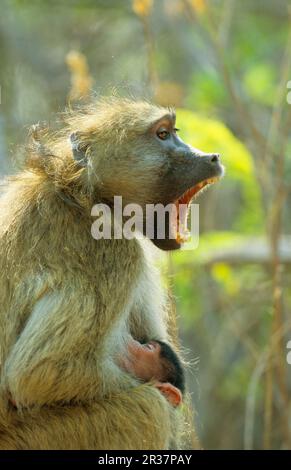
(71, 304)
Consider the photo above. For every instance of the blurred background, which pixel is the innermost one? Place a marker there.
(225, 65)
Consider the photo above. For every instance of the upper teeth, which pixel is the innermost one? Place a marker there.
(212, 180)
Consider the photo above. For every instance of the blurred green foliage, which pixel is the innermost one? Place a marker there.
(212, 135)
(260, 83)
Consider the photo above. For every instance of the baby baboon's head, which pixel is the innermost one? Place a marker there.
(131, 149)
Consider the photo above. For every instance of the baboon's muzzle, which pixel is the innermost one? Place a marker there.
(191, 172)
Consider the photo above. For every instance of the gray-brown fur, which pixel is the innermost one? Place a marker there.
(69, 302)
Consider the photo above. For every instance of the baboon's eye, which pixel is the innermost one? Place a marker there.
(163, 134)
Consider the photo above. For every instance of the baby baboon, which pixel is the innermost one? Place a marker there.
(70, 304)
(156, 361)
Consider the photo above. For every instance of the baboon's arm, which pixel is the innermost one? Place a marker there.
(65, 351)
(139, 418)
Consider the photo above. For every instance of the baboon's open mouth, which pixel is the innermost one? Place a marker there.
(179, 219)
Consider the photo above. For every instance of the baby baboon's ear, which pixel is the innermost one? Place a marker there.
(79, 149)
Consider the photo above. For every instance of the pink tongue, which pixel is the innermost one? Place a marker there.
(191, 192)
(185, 199)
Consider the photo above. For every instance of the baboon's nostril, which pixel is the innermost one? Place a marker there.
(215, 158)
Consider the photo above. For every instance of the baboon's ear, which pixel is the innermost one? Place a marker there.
(78, 149)
(36, 145)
